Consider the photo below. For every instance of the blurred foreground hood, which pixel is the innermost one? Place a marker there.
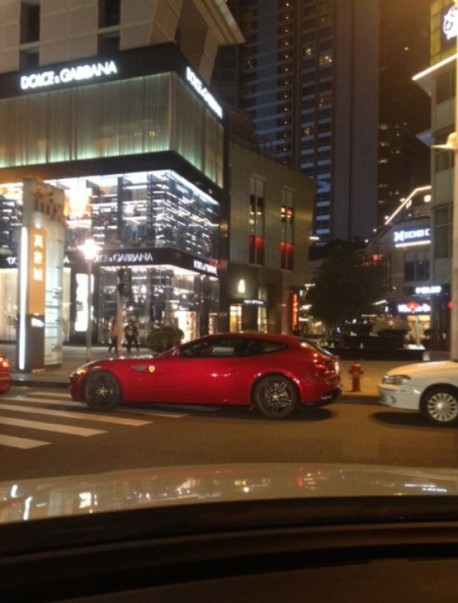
(171, 486)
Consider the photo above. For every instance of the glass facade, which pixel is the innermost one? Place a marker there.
(148, 114)
(158, 223)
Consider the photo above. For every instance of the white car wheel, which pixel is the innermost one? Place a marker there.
(440, 405)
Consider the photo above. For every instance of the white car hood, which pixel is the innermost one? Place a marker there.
(425, 368)
(171, 486)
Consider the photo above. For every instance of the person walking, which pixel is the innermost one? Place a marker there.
(135, 336)
(129, 334)
(113, 337)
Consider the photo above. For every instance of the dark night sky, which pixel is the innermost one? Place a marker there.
(404, 52)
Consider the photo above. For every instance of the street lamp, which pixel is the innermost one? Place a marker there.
(90, 250)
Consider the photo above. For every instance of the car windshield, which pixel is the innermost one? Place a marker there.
(227, 278)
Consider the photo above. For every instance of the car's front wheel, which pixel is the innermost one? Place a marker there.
(275, 396)
(440, 405)
(101, 390)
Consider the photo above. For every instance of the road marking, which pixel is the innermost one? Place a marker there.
(49, 394)
(32, 399)
(76, 415)
(55, 427)
(168, 405)
(23, 443)
(67, 403)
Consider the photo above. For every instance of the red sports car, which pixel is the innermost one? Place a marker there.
(5, 375)
(273, 373)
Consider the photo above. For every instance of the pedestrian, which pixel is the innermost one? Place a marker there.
(129, 334)
(135, 336)
(113, 337)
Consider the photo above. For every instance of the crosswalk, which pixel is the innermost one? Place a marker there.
(41, 412)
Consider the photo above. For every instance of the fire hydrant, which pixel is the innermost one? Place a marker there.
(356, 370)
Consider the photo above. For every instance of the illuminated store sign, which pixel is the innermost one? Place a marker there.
(204, 267)
(259, 303)
(46, 79)
(410, 237)
(418, 309)
(428, 290)
(198, 86)
(450, 23)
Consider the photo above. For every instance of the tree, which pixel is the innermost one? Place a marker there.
(346, 286)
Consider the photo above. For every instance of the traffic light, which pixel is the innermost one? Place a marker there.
(125, 282)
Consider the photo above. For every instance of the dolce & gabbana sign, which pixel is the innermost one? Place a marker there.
(202, 91)
(67, 75)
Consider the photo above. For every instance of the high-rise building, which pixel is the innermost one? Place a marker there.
(310, 75)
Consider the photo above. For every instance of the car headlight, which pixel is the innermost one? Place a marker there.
(395, 379)
(79, 371)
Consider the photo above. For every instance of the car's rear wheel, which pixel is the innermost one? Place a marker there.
(440, 405)
(101, 390)
(275, 396)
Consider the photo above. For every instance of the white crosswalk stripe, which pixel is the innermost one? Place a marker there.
(57, 428)
(23, 443)
(57, 403)
(170, 414)
(75, 415)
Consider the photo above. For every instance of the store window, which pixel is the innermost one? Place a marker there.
(155, 209)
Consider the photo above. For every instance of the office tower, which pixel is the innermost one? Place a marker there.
(309, 76)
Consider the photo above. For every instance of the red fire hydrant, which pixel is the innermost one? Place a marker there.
(356, 370)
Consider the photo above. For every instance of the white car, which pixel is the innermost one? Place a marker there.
(430, 388)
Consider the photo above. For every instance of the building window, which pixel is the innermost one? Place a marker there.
(256, 250)
(445, 86)
(109, 44)
(287, 230)
(30, 23)
(29, 59)
(443, 160)
(443, 233)
(109, 13)
(256, 221)
(416, 266)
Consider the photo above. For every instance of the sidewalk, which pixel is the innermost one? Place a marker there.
(75, 356)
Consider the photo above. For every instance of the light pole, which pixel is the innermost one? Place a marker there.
(90, 250)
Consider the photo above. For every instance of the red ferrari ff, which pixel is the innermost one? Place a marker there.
(273, 373)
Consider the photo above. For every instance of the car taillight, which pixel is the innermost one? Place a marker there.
(4, 363)
(324, 367)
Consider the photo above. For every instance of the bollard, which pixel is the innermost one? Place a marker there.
(356, 370)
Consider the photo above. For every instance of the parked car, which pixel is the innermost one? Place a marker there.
(430, 388)
(273, 373)
(5, 375)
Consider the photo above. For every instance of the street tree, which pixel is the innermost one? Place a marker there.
(346, 286)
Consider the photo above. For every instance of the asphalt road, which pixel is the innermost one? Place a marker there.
(43, 433)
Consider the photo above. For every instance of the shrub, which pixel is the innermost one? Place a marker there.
(163, 338)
